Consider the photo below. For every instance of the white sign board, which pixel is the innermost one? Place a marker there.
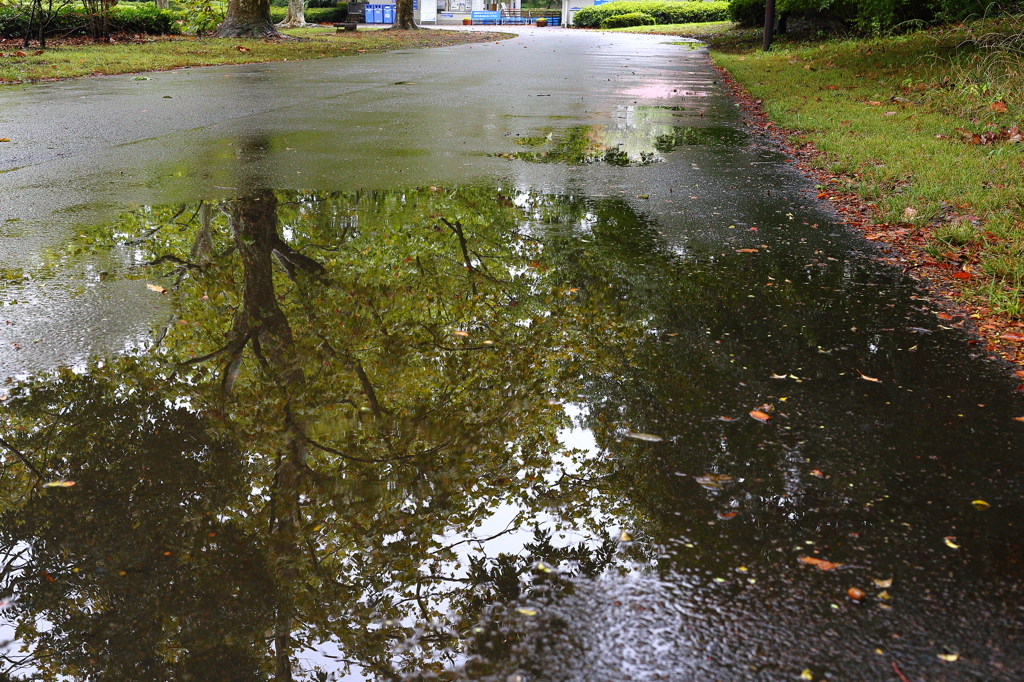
(428, 10)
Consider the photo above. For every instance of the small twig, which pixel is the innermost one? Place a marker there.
(896, 669)
(23, 458)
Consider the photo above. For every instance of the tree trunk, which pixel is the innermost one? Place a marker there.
(296, 17)
(769, 23)
(247, 19)
(403, 15)
(162, 4)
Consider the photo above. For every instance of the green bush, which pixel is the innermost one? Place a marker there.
(662, 11)
(72, 20)
(747, 13)
(631, 19)
(315, 15)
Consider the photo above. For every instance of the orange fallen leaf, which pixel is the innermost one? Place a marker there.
(874, 104)
(854, 593)
(241, 49)
(746, 250)
(820, 563)
(999, 106)
(461, 333)
(760, 416)
(1011, 336)
(817, 472)
(865, 377)
(727, 515)
(944, 316)
(961, 275)
(157, 288)
(1020, 373)
(1018, 419)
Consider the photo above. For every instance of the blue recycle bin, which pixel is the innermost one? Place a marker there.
(374, 14)
(389, 14)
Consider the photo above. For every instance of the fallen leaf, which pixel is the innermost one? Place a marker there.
(778, 376)
(157, 288)
(1019, 373)
(980, 504)
(38, 52)
(909, 213)
(816, 472)
(625, 537)
(806, 675)
(726, 515)
(999, 106)
(649, 437)
(855, 593)
(865, 377)
(1018, 419)
(949, 541)
(874, 104)
(543, 567)
(460, 333)
(950, 657)
(5, 139)
(727, 419)
(20, 53)
(884, 595)
(713, 481)
(242, 49)
(1011, 336)
(820, 563)
(760, 416)
(944, 316)
(882, 583)
(960, 274)
(746, 250)
(59, 484)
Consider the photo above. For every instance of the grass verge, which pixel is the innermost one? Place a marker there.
(913, 137)
(162, 54)
(705, 29)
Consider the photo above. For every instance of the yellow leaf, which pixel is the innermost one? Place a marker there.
(980, 504)
(882, 583)
(806, 675)
(867, 378)
(157, 288)
(625, 537)
(527, 611)
(59, 484)
(461, 333)
(949, 541)
(949, 658)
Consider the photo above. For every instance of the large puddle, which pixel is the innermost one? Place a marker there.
(658, 419)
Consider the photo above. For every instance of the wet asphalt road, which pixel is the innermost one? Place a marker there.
(84, 151)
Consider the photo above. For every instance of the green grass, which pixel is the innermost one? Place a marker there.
(700, 30)
(162, 54)
(889, 112)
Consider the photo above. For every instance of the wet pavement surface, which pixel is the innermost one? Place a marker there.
(512, 361)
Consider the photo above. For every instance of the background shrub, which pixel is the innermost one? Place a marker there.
(631, 19)
(663, 12)
(747, 13)
(72, 20)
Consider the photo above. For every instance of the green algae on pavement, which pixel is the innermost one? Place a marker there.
(164, 54)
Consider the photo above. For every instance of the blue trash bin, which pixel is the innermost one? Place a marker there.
(389, 14)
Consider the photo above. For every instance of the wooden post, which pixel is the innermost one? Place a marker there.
(769, 23)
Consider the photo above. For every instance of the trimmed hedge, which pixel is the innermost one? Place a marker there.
(315, 15)
(663, 12)
(747, 13)
(72, 20)
(631, 19)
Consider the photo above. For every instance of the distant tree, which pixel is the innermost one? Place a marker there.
(296, 17)
(247, 19)
(403, 15)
